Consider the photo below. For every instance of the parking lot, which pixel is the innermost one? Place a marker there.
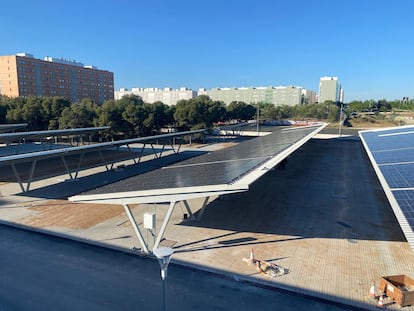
(324, 218)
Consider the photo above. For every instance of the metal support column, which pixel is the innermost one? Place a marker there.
(66, 166)
(187, 207)
(164, 224)
(136, 229)
(29, 181)
(103, 160)
(17, 177)
(79, 164)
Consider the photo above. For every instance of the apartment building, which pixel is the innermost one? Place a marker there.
(278, 95)
(167, 96)
(22, 75)
(330, 90)
(309, 97)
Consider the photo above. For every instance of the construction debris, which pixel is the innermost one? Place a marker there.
(264, 267)
(400, 288)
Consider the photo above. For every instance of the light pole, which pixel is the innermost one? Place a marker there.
(340, 121)
(164, 256)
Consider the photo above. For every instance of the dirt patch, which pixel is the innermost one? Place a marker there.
(61, 213)
(227, 145)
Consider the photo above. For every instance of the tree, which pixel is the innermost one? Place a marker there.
(120, 115)
(135, 115)
(4, 107)
(238, 110)
(83, 114)
(157, 117)
(32, 114)
(52, 108)
(383, 105)
(199, 112)
(359, 105)
(215, 112)
(279, 112)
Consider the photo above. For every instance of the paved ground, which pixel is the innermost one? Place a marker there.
(324, 218)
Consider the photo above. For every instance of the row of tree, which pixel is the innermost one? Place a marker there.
(381, 105)
(131, 116)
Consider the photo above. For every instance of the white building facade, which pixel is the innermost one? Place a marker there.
(309, 97)
(167, 96)
(330, 90)
(276, 95)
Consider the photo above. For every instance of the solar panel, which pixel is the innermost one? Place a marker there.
(219, 167)
(399, 175)
(391, 152)
(389, 139)
(405, 199)
(11, 127)
(63, 152)
(221, 172)
(10, 137)
(391, 156)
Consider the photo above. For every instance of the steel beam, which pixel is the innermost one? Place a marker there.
(136, 228)
(164, 224)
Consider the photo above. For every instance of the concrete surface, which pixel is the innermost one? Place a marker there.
(65, 275)
(325, 219)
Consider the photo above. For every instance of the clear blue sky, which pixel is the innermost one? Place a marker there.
(367, 44)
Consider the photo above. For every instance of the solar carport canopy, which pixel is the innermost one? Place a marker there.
(391, 152)
(13, 137)
(11, 127)
(240, 164)
(33, 157)
(221, 172)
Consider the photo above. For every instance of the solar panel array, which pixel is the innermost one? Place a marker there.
(12, 137)
(223, 166)
(392, 154)
(11, 127)
(62, 153)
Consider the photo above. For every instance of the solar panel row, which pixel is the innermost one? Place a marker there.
(11, 127)
(33, 157)
(400, 155)
(215, 168)
(399, 175)
(392, 154)
(405, 199)
(12, 137)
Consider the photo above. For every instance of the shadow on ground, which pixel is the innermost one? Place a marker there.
(328, 190)
(72, 187)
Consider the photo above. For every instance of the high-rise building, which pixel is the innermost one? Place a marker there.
(23, 75)
(167, 96)
(308, 97)
(278, 95)
(329, 89)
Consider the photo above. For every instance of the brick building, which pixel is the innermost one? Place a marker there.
(23, 75)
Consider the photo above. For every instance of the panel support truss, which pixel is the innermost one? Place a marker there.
(202, 209)
(159, 236)
(73, 173)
